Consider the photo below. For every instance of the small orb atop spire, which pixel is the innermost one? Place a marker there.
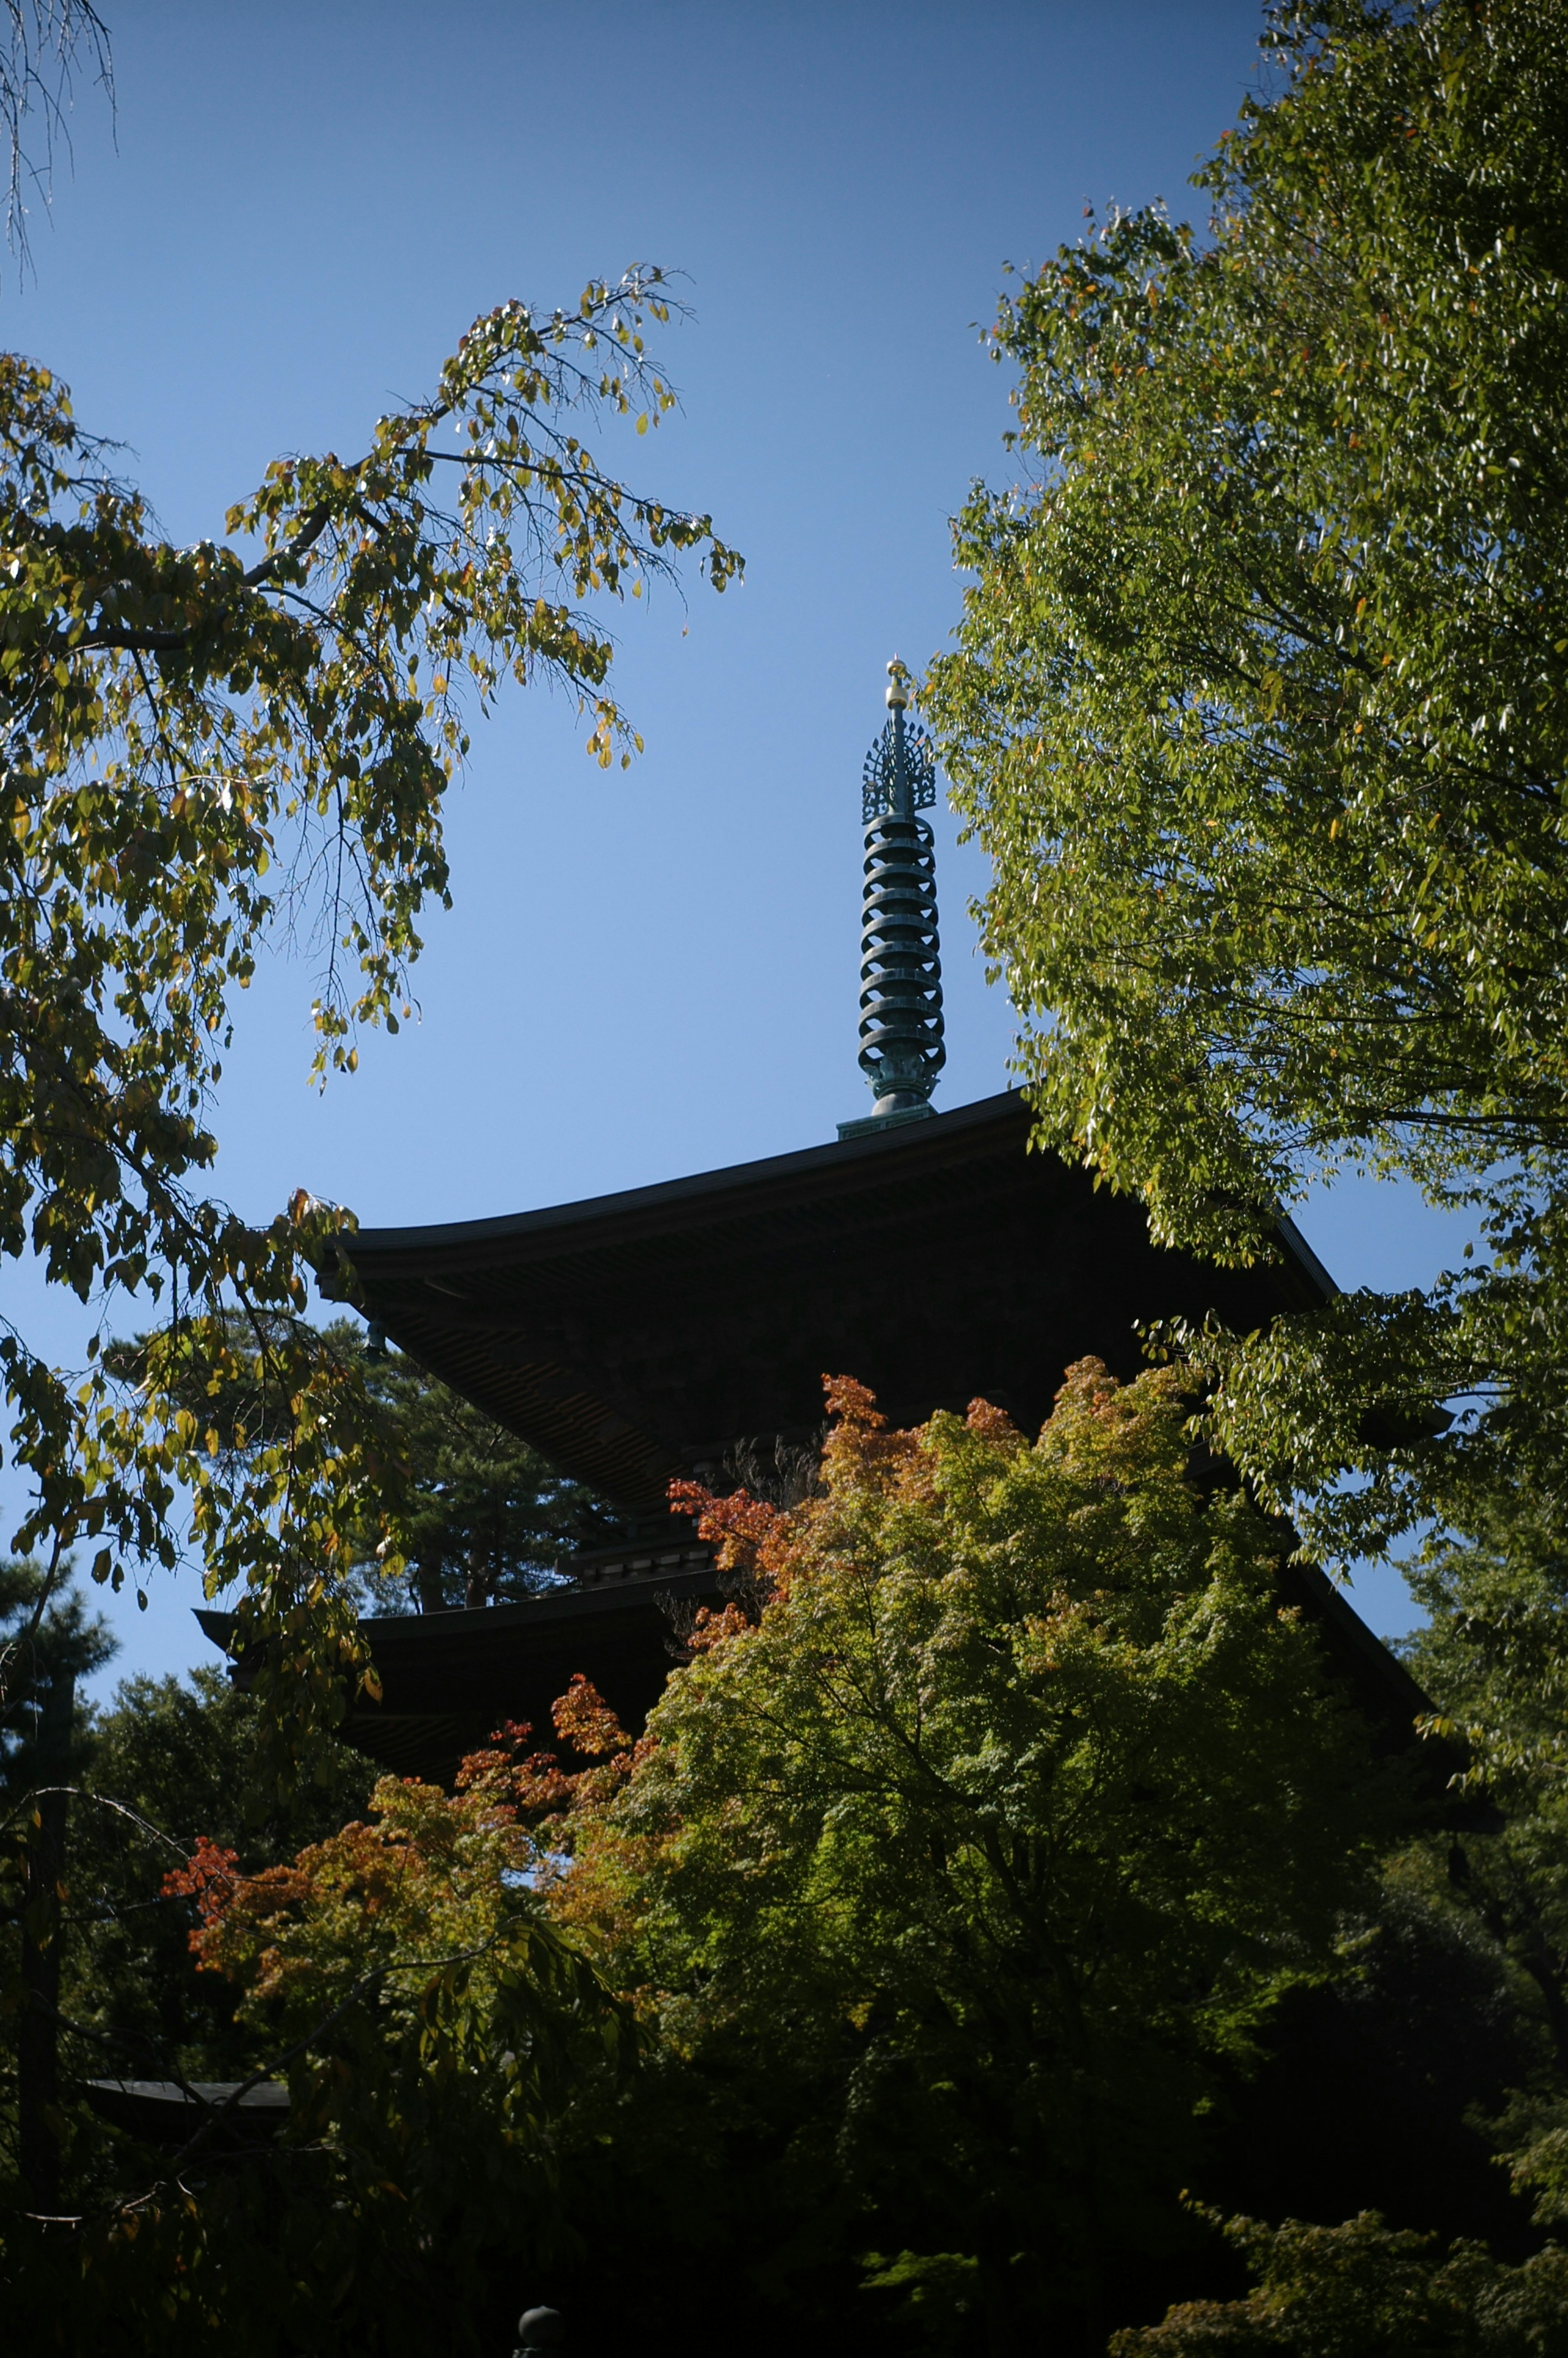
(898, 684)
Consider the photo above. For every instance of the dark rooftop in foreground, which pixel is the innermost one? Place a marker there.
(638, 1337)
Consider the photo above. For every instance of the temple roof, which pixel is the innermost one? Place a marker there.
(637, 1336)
(449, 1679)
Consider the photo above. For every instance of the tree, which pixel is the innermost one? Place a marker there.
(957, 1875)
(41, 43)
(484, 1517)
(479, 1517)
(435, 2031)
(96, 1980)
(169, 1762)
(1493, 1656)
(464, 1512)
(1259, 709)
(1364, 2290)
(182, 724)
(44, 1652)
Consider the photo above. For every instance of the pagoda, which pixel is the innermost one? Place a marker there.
(664, 1332)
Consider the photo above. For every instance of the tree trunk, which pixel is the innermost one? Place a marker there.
(38, 2056)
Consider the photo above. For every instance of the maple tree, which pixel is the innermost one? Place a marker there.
(998, 1809)
(438, 2036)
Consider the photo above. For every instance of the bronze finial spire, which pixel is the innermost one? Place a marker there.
(902, 1051)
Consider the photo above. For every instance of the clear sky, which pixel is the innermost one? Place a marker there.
(300, 210)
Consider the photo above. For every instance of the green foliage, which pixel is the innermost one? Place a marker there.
(479, 1517)
(1366, 2290)
(203, 744)
(170, 1762)
(1381, 2087)
(1493, 1657)
(47, 1641)
(463, 1513)
(935, 2290)
(1259, 709)
(45, 1632)
(123, 1794)
(435, 2032)
(434, 2029)
(1001, 1831)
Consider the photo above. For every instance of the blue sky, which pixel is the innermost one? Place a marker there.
(300, 210)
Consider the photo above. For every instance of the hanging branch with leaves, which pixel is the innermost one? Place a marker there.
(204, 745)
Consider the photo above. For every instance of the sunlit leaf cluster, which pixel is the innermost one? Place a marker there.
(211, 747)
(1261, 700)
